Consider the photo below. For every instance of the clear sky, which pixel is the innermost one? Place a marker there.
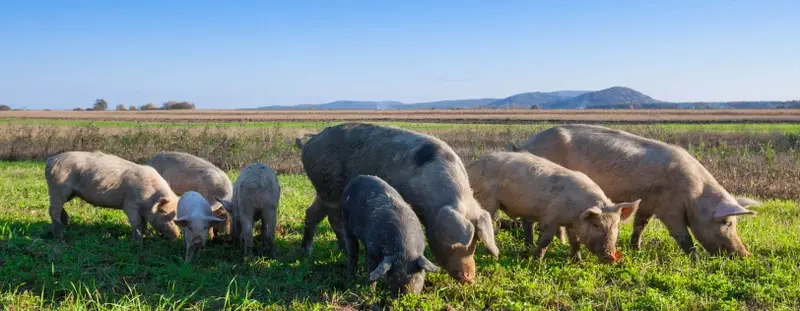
(65, 54)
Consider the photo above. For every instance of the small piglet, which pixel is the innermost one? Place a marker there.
(195, 218)
(375, 214)
(536, 189)
(256, 196)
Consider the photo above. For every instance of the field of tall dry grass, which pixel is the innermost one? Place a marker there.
(763, 163)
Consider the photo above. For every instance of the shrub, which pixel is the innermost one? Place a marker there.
(4, 108)
(170, 105)
(121, 107)
(100, 105)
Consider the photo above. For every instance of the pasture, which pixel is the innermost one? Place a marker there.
(97, 267)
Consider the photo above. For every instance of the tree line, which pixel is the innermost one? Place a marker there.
(102, 105)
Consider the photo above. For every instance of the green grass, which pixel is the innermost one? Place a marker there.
(98, 267)
(717, 127)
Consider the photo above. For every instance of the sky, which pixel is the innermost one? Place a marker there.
(66, 54)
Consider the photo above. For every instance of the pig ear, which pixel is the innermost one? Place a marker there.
(426, 264)
(220, 212)
(228, 205)
(591, 213)
(181, 222)
(161, 202)
(745, 202)
(486, 233)
(382, 268)
(725, 210)
(627, 209)
(454, 230)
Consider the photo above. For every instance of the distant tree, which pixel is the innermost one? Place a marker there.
(77, 109)
(536, 106)
(149, 106)
(132, 108)
(4, 108)
(100, 105)
(170, 105)
(121, 107)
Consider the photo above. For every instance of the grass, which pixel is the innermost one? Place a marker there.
(97, 267)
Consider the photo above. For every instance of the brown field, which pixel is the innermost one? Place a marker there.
(766, 164)
(438, 115)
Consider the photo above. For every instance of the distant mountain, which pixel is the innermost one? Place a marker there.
(450, 104)
(617, 95)
(342, 105)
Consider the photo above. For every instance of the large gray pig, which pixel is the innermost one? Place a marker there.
(377, 216)
(535, 189)
(423, 169)
(672, 184)
(256, 196)
(109, 181)
(186, 172)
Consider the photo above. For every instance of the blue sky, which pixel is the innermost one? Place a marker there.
(65, 54)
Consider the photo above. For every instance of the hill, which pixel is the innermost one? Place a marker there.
(612, 96)
(526, 100)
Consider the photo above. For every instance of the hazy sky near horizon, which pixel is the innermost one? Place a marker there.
(65, 54)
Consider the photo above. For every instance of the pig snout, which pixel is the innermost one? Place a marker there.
(462, 269)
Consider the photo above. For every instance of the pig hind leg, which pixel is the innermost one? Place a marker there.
(58, 216)
(351, 244)
(269, 220)
(314, 215)
(545, 238)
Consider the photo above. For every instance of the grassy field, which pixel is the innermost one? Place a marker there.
(97, 267)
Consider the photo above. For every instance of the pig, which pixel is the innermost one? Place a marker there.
(374, 214)
(535, 189)
(194, 218)
(108, 181)
(423, 169)
(256, 196)
(673, 185)
(186, 172)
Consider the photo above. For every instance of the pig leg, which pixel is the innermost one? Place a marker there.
(58, 215)
(679, 231)
(314, 215)
(562, 235)
(545, 238)
(136, 219)
(640, 221)
(527, 232)
(335, 220)
(269, 221)
(246, 234)
(574, 245)
(351, 244)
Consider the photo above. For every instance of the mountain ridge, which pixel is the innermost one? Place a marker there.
(615, 97)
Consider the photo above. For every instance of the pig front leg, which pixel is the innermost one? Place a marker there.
(545, 238)
(136, 220)
(574, 244)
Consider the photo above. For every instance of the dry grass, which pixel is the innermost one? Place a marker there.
(763, 164)
(451, 116)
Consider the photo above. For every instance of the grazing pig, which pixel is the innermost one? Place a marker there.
(256, 195)
(423, 169)
(672, 184)
(185, 172)
(194, 218)
(109, 181)
(535, 189)
(376, 215)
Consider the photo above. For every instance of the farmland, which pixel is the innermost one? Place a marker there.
(96, 266)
